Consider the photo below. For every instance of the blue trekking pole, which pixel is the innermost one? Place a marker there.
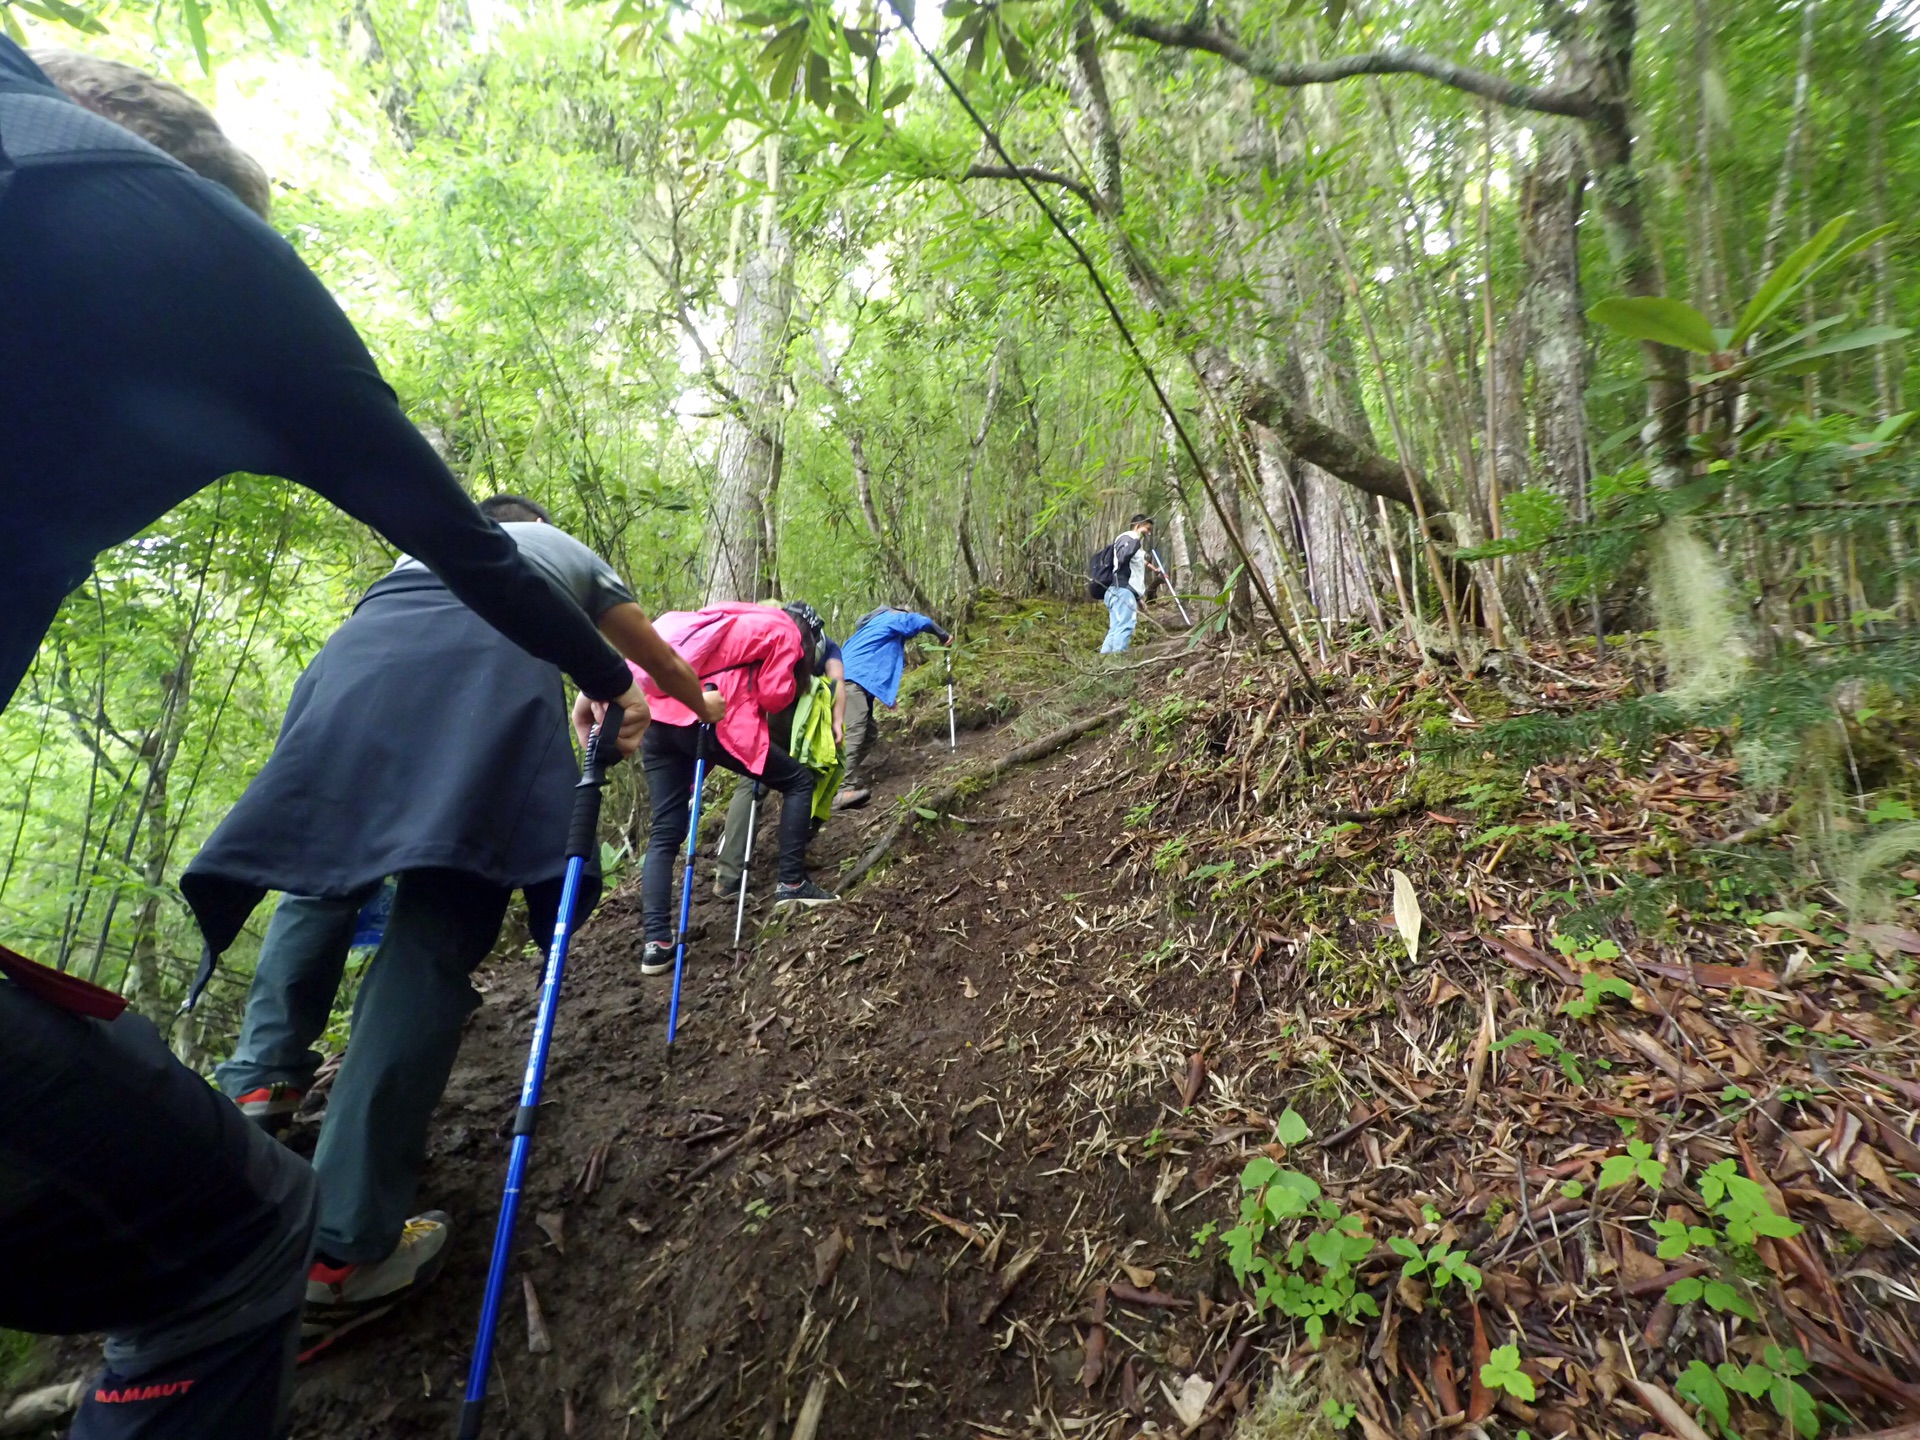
(686, 887)
(603, 753)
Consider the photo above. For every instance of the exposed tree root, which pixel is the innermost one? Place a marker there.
(1025, 755)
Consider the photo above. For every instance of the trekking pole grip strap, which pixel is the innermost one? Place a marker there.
(603, 753)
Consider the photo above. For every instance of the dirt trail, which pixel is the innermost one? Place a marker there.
(856, 1143)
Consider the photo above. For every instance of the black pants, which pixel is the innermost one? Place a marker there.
(667, 756)
(134, 1199)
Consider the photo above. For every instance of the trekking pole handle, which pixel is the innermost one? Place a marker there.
(603, 746)
(603, 753)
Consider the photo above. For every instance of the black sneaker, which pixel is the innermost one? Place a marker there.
(656, 957)
(804, 893)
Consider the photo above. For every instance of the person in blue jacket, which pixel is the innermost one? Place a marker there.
(875, 657)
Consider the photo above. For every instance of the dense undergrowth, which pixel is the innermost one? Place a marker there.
(1615, 970)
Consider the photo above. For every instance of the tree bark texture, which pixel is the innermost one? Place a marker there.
(747, 467)
(1550, 200)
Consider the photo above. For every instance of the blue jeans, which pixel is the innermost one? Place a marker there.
(1124, 608)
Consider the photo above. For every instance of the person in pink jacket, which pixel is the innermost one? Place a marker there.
(761, 658)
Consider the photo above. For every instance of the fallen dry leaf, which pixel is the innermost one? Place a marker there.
(1189, 1402)
(1406, 913)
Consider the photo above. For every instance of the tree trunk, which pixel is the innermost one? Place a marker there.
(1550, 197)
(1617, 194)
(738, 554)
(975, 445)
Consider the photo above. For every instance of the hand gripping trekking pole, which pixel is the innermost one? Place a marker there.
(603, 753)
(701, 736)
(1170, 590)
(746, 863)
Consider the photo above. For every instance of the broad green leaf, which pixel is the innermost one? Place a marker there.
(1699, 1385)
(1685, 1292)
(1291, 1129)
(1657, 318)
(1792, 1401)
(1853, 247)
(1804, 360)
(1260, 1171)
(1787, 277)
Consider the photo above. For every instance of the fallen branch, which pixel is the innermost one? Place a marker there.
(1026, 754)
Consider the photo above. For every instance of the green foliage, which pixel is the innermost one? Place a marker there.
(1596, 988)
(1440, 1265)
(1742, 1205)
(1773, 1379)
(1502, 1372)
(1310, 1277)
(1637, 1164)
(1547, 1048)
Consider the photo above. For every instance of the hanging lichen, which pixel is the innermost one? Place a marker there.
(1706, 651)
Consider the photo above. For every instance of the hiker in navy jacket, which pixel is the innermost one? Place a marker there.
(156, 334)
(875, 657)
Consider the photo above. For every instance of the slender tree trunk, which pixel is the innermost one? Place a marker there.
(1796, 134)
(1555, 316)
(1608, 71)
(975, 445)
(747, 469)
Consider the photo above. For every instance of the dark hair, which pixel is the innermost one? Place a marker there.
(1141, 518)
(513, 507)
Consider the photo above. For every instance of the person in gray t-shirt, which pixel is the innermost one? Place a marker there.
(592, 583)
(422, 744)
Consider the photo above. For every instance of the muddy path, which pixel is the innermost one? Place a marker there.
(858, 1173)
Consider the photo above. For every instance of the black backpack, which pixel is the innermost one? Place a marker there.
(1100, 572)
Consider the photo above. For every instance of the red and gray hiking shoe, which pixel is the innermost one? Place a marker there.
(272, 1108)
(341, 1298)
(852, 797)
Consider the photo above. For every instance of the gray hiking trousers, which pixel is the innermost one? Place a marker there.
(407, 1018)
(863, 728)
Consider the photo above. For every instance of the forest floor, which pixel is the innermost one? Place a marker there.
(956, 1157)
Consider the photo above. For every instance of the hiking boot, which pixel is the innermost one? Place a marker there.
(724, 889)
(852, 798)
(804, 893)
(272, 1108)
(656, 957)
(341, 1298)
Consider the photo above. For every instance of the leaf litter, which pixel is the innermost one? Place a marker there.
(1002, 1215)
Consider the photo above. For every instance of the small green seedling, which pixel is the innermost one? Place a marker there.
(1439, 1264)
(1677, 1238)
(1338, 1414)
(1717, 1293)
(1742, 1204)
(1547, 1048)
(1502, 1372)
(1772, 1380)
(1595, 988)
(1637, 1164)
